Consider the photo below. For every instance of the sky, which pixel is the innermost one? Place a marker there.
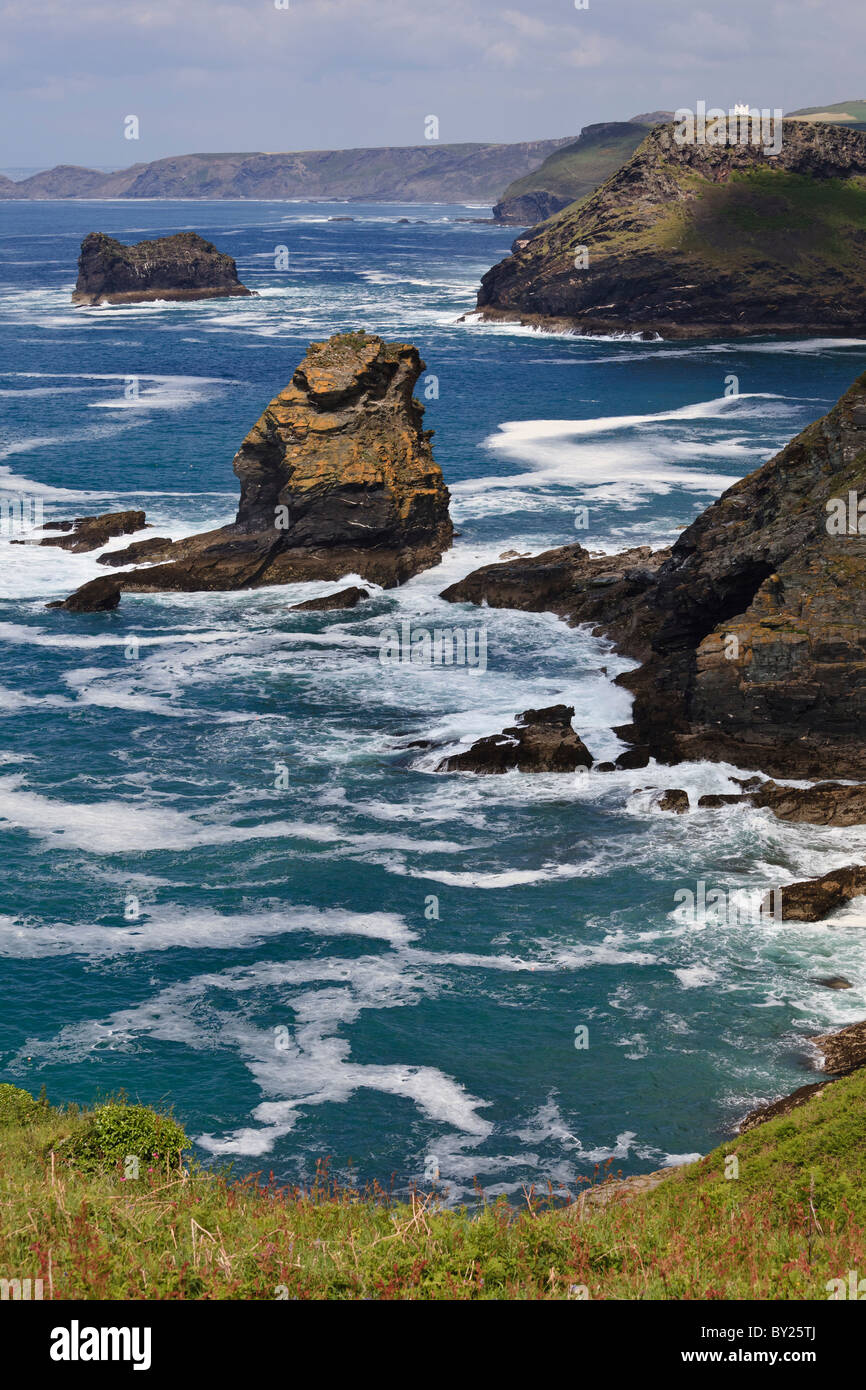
(276, 75)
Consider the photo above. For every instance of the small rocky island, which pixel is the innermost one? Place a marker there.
(179, 267)
(337, 477)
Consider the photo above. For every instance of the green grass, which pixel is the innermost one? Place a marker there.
(848, 113)
(793, 1219)
(578, 169)
(772, 215)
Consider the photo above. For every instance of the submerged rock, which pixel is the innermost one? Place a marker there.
(541, 741)
(184, 266)
(337, 477)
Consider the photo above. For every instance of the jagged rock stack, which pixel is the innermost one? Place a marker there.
(337, 477)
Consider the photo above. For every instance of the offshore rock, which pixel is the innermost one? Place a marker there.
(576, 585)
(337, 477)
(184, 266)
(541, 741)
(344, 598)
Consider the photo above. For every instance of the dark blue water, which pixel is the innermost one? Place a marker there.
(358, 957)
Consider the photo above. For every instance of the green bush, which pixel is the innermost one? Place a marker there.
(18, 1107)
(113, 1133)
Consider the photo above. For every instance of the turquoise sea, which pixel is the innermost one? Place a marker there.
(362, 959)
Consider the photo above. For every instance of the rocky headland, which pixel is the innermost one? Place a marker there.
(751, 630)
(337, 477)
(688, 240)
(179, 267)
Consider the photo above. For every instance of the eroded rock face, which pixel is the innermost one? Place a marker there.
(827, 803)
(583, 588)
(844, 1051)
(816, 898)
(337, 477)
(687, 240)
(751, 630)
(541, 741)
(178, 267)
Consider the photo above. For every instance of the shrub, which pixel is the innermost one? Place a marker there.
(18, 1107)
(114, 1132)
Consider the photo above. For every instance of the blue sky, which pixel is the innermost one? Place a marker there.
(244, 75)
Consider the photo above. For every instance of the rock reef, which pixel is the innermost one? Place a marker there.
(337, 477)
(86, 533)
(179, 267)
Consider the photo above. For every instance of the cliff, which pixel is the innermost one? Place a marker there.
(184, 266)
(752, 629)
(573, 171)
(432, 172)
(691, 240)
(337, 477)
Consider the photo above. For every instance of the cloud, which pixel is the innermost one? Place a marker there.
(240, 74)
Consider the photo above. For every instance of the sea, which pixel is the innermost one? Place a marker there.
(232, 886)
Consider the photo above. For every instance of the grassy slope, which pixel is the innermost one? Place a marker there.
(794, 1218)
(578, 169)
(850, 113)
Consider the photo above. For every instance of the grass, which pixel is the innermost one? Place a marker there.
(793, 1219)
(577, 169)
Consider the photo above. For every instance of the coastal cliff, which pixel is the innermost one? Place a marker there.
(751, 630)
(178, 267)
(337, 477)
(573, 171)
(688, 240)
(432, 172)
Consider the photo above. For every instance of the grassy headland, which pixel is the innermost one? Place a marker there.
(71, 1214)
